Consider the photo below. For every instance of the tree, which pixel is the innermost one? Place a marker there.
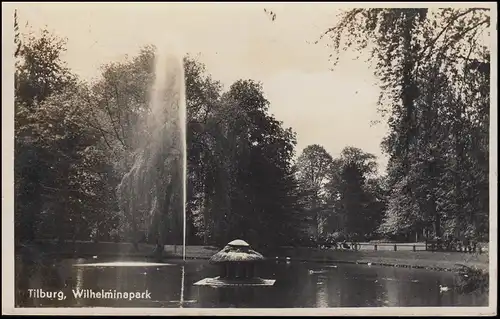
(74, 183)
(422, 58)
(40, 71)
(261, 203)
(121, 102)
(313, 168)
(354, 196)
(39, 74)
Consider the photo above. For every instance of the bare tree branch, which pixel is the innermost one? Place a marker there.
(117, 135)
(431, 44)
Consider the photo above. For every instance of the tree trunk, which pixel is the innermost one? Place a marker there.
(437, 225)
(206, 214)
(407, 95)
(135, 236)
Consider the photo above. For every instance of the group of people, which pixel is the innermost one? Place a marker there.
(451, 243)
(336, 245)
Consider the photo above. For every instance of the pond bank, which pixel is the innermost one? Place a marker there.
(447, 261)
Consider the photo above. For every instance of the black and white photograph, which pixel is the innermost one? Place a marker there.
(249, 158)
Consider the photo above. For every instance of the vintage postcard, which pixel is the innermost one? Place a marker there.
(249, 158)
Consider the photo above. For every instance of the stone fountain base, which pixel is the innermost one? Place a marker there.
(222, 282)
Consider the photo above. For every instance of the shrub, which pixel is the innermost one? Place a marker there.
(471, 279)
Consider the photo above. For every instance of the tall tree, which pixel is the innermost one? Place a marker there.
(120, 102)
(39, 73)
(313, 168)
(352, 194)
(75, 187)
(263, 192)
(422, 58)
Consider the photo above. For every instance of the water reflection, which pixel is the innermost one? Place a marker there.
(183, 273)
(322, 292)
(391, 292)
(79, 285)
(123, 264)
(296, 286)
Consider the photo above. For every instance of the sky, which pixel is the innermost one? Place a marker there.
(236, 41)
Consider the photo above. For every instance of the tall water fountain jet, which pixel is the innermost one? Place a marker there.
(153, 192)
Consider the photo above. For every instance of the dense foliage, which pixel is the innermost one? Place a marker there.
(433, 67)
(74, 142)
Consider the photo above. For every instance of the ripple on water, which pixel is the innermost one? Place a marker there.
(124, 264)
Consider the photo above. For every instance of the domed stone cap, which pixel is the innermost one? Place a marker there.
(238, 243)
(236, 251)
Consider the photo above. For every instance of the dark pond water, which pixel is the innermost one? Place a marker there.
(341, 285)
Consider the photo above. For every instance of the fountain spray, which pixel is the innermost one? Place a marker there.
(160, 166)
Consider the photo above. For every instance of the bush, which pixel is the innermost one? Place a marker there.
(472, 279)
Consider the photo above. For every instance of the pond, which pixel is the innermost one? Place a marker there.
(298, 284)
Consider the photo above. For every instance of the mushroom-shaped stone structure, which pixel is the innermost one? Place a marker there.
(237, 260)
(236, 263)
